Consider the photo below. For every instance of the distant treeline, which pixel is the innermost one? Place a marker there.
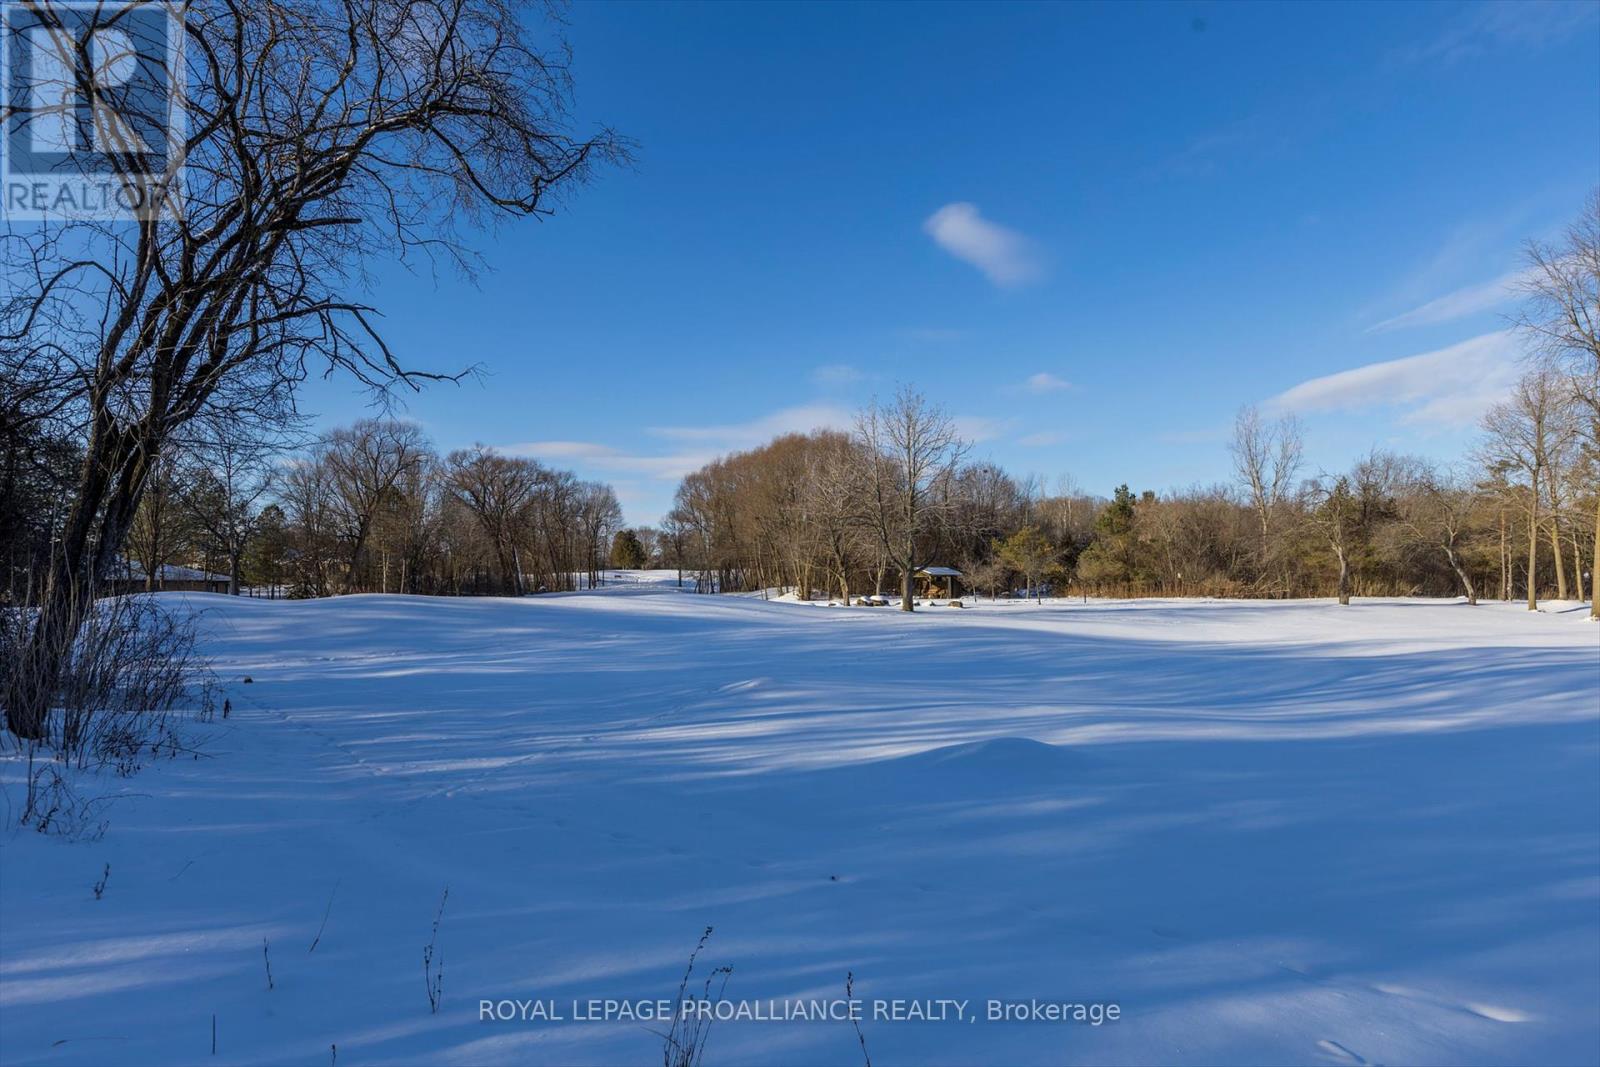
(813, 513)
(371, 507)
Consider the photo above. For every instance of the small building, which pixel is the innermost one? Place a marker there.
(929, 579)
(170, 578)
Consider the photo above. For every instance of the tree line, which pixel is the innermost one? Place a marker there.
(812, 513)
(839, 513)
(370, 507)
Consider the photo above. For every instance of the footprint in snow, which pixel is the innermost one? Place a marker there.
(1492, 1012)
(1339, 1054)
(1498, 1014)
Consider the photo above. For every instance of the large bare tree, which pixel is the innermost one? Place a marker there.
(1524, 433)
(318, 135)
(226, 473)
(912, 452)
(498, 490)
(1266, 460)
(1562, 320)
(1437, 512)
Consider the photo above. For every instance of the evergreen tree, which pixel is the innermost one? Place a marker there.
(627, 551)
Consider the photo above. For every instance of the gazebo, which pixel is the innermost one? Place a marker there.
(931, 575)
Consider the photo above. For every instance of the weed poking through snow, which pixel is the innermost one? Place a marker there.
(100, 886)
(850, 995)
(685, 1044)
(433, 962)
(325, 913)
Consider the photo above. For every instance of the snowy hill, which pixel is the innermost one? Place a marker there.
(1267, 832)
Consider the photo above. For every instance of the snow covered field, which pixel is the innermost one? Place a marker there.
(1267, 832)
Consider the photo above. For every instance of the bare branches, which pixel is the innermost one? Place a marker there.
(317, 136)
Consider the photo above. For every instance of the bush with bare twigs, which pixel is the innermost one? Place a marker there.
(132, 672)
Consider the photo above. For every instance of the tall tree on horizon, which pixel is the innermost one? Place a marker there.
(1562, 320)
(911, 446)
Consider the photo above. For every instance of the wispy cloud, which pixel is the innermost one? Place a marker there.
(799, 419)
(593, 456)
(1469, 300)
(1045, 382)
(1042, 439)
(1484, 27)
(1449, 386)
(649, 472)
(1003, 255)
(976, 428)
(1204, 154)
(688, 448)
(837, 374)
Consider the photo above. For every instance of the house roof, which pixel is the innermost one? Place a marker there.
(939, 572)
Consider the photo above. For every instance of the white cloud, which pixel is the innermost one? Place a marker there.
(1463, 302)
(1005, 256)
(1486, 27)
(837, 374)
(1045, 382)
(591, 455)
(649, 473)
(1451, 386)
(691, 447)
(800, 419)
(975, 428)
(1041, 440)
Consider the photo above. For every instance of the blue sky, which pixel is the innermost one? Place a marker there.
(1090, 232)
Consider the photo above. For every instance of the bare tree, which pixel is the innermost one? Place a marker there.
(1332, 510)
(912, 447)
(365, 463)
(598, 515)
(1562, 320)
(225, 476)
(833, 504)
(156, 535)
(1524, 432)
(1266, 459)
(1438, 511)
(307, 494)
(498, 491)
(317, 135)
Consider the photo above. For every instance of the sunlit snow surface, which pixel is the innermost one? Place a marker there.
(1270, 832)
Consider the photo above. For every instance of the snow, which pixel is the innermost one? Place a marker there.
(1268, 832)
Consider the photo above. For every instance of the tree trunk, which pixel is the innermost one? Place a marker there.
(233, 571)
(1344, 579)
(1594, 570)
(1505, 560)
(1533, 550)
(1561, 567)
(1577, 560)
(114, 472)
(908, 602)
(1466, 582)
